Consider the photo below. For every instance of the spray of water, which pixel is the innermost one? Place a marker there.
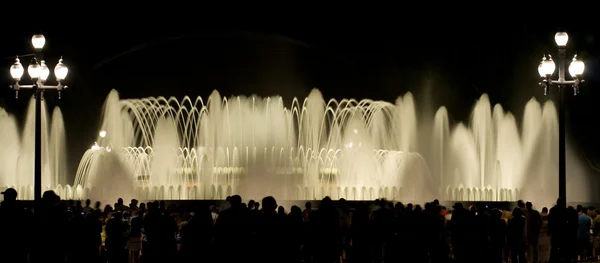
(166, 148)
(17, 151)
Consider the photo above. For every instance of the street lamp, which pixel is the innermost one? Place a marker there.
(38, 72)
(546, 70)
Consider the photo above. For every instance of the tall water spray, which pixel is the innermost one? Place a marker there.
(164, 148)
(17, 151)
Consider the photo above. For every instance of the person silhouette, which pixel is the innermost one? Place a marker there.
(232, 231)
(516, 236)
(51, 226)
(558, 230)
(13, 228)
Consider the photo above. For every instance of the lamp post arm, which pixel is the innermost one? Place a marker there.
(21, 56)
(38, 87)
(60, 86)
(564, 82)
(18, 86)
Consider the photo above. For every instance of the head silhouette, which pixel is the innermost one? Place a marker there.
(561, 202)
(269, 204)
(517, 212)
(235, 201)
(458, 206)
(327, 203)
(295, 210)
(118, 216)
(529, 205)
(49, 197)
(10, 195)
(496, 213)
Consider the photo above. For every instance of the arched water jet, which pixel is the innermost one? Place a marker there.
(251, 145)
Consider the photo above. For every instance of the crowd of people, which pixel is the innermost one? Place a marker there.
(375, 232)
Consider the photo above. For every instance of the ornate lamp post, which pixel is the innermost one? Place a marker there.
(546, 69)
(38, 72)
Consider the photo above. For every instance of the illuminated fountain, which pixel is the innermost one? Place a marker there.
(17, 148)
(159, 148)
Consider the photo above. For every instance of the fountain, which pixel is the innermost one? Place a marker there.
(16, 151)
(164, 148)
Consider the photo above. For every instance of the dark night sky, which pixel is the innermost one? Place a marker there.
(446, 59)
